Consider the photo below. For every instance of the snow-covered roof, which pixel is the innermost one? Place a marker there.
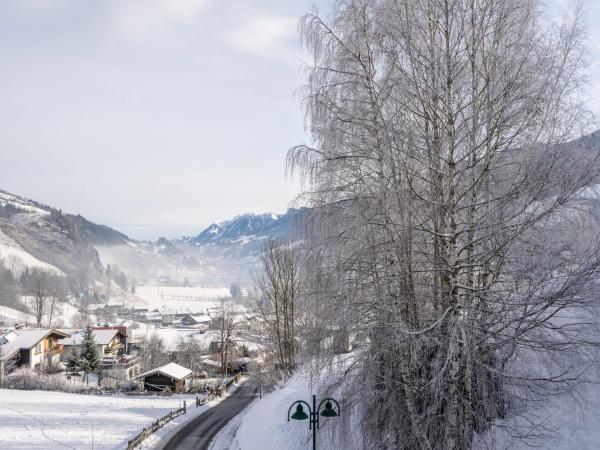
(171, 370)
(200, 318)
(95, 306)
(27, 339)
(210, 362)
(102, 337)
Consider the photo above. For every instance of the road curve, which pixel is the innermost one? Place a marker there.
(197, 433)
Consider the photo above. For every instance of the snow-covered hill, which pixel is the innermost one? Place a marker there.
(37, 236)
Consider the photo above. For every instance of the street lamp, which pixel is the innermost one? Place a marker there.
(313, 413)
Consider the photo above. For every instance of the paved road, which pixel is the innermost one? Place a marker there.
(197, 434)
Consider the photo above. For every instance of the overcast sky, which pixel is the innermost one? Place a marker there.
(156, 117)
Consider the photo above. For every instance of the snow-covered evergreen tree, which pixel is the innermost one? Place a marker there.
(74, 361)
(89, 359)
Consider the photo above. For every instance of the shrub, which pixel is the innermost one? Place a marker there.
(27, 379)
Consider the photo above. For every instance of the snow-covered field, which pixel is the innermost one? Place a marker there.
(172, 336)
(54, 420)
(196, 299)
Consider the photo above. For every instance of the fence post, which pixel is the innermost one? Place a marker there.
(184, 410)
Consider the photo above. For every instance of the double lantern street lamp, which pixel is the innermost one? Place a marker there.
(313, 413)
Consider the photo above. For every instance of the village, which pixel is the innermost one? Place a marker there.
(140, 349)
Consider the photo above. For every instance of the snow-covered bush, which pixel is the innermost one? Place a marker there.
(118, 385)
(27, 379)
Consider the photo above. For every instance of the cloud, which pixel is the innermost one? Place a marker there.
(143, 20)
(270, 37)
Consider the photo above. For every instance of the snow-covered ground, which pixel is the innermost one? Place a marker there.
(572, 423)
(172, 427)
(172, 336)
(265, 425)
(576, 422)
(17, 259)
(63, 315)
(55, 420)
(195, 299)
(14, 316)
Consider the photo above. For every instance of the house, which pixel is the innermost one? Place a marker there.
(33, 348)
(198, 321)
(110, 342)
(94, 308)
(170, 377)
(124, 328)
(257, 325)
(209, 366)
(168, 316)
(123, 367)
(153, 317)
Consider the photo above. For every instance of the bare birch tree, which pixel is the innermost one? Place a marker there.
(448, 234)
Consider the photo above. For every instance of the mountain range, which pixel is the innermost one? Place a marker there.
(36, 235)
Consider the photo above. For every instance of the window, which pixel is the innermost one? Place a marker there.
(38, 348)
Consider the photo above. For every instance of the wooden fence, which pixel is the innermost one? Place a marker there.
(154, 427)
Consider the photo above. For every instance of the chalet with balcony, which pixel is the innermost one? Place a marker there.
(111, 343)
(34, 348)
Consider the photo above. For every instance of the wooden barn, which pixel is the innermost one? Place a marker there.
(170, 377)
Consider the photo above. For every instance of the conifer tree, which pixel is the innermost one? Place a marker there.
(74, 361)
(89, 359)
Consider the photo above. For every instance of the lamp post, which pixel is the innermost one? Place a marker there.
(313, 413)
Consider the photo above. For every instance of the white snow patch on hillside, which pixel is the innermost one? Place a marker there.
(22, 204)
(13, 315)
(17, 259)
(44, 420)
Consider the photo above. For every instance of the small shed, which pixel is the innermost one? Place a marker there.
(170, 376)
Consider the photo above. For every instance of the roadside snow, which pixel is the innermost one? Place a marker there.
(265, 427)
(157, 440)
(224, 440)
(575, 422)
(43, 420)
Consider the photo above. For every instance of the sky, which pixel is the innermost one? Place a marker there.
(158, 117)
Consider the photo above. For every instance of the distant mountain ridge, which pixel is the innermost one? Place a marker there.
(247, 227)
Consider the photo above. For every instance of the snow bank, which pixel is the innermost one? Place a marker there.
(265, 425)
